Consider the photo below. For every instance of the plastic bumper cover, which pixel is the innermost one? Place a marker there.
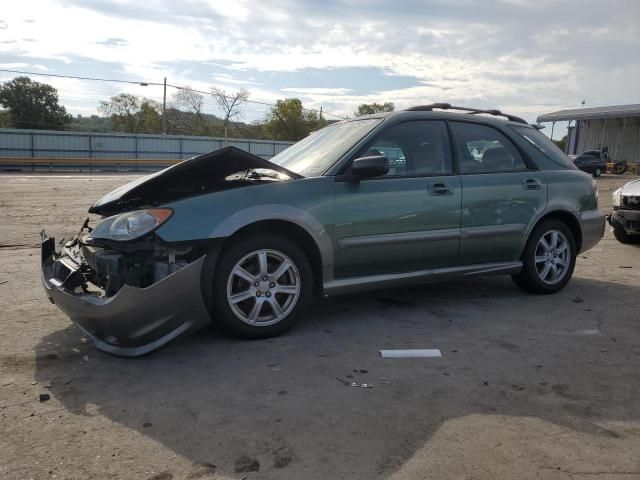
(592, 226)
(134, 321)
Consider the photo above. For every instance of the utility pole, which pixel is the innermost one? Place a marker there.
(164, 108)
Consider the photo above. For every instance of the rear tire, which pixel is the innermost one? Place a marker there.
(548, 258)
(262, 284)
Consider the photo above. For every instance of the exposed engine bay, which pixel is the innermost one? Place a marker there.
(110, 265)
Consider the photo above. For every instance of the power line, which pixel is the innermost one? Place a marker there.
(145, 83)
(96, 79)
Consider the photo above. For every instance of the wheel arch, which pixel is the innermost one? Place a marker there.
(565, 217)
(289, 221)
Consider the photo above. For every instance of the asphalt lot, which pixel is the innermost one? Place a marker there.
(528, 387)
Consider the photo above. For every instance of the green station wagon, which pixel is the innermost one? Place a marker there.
(379, 201)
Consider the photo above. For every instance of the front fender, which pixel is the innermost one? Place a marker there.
(259, 213)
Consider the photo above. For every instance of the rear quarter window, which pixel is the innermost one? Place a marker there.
(544, 145)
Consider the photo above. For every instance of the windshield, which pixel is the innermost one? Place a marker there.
(314, 155)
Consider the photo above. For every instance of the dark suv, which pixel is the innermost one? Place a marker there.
(590, 161)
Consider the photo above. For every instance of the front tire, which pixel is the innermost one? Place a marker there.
(597, 172)
(548, 258)
(621, 235)
(262, 284)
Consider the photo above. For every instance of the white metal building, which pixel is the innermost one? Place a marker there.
(614, 130)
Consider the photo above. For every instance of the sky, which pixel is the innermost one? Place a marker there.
(525, 57)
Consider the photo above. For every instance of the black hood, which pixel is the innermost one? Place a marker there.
(223, 169)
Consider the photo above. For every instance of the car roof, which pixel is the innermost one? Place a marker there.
(442, 115)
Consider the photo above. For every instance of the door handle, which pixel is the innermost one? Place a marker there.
(532, 184)
(440, 189)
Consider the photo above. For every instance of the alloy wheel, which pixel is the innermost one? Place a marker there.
(553, 257)
(263, 287)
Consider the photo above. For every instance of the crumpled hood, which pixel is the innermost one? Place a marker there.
(220, 170)
(632, 188)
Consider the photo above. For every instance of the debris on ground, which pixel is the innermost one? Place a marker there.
(577, 300)
(44, 397)
(517, 386)
(353, 384)
(245, 464)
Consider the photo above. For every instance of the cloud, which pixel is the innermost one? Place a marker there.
(527, 56)
(317, 91)
(113, 42)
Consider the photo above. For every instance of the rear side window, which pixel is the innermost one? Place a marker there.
(483, 149)
(544, 145)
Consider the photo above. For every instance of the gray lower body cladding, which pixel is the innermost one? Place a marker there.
(135, 320)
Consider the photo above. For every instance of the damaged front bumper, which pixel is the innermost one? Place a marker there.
(133, 321)
(626, 220)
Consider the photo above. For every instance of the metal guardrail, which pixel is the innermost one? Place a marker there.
(82, 164)
(24, 149)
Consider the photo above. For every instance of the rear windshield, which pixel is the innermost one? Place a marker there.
(545, 146)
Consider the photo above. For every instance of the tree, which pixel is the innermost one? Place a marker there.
(370, 108)
(562, 143)
(33, 105)
(185, 115)
(288, 120)
(5, 119)
(132, 114)
(92, 123)
(230, 104)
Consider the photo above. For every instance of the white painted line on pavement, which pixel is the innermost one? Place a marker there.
(412, 353)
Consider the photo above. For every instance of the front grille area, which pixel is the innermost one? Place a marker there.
(633, 226)
(631, 203)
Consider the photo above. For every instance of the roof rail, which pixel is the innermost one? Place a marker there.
(472, 111)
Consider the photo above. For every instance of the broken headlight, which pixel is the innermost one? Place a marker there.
(130, 225)
(617, 198)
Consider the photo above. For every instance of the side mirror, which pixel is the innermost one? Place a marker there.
(370, 167)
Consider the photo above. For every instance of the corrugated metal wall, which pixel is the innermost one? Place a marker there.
(53, 144)
(622, 137)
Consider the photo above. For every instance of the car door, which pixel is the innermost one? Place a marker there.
(406, 220)
(501, 194)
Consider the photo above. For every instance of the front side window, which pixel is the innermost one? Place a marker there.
(483, 149)
(413, 148)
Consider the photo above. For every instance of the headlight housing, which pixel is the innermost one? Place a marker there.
(131, 225)
(617, 198)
